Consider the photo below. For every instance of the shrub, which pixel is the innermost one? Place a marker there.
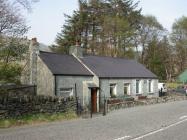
(174, 85)
(10, 73)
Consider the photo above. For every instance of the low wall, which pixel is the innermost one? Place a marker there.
(148, 101)
(13, 106)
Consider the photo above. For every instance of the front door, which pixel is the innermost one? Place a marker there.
(94, 100)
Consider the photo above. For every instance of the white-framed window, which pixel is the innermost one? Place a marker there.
(137, 86)
(150, 86)
(66, 92)
(113, 90)
(126, 89)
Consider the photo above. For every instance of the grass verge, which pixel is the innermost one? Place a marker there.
(173, 85)
(36, 119)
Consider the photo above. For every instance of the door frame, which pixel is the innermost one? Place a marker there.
(94, 100)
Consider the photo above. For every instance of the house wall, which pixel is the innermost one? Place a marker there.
(155, 88)
(45, 79)
(83, 92)
(105, 87)
(95, 79)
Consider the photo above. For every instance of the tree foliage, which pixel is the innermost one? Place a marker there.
(12, 41)
(10, 73)
(179, 40)
(117, 28)
(101, 27)
(150, 29)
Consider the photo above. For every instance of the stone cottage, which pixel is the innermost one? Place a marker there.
(90, 77)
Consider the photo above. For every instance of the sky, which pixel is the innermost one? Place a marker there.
(47, 16)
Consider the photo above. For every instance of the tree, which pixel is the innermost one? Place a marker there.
(153, 60)
(149, 29)
(101, 27)
(167, 57)
(159, 58)
(12, 41)
(179, 40)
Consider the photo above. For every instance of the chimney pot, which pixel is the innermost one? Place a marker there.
(34, 40)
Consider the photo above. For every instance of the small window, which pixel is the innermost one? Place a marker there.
(113, 92)
(66, 92)
(137, 86)
(126, 89)
(150, 86)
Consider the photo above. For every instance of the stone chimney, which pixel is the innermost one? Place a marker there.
(76, 50)
(34, 45)
(33, 55)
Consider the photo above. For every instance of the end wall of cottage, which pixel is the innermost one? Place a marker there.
(45, 79)
(65, 83)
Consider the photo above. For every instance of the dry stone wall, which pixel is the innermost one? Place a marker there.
(148, 101)
(13, 106)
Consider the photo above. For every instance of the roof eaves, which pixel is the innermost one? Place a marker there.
(107, 77)
(73, 75)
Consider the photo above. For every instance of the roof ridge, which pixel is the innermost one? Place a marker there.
(55, 53)
(109, 57)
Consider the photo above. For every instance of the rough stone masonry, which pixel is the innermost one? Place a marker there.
(13, 106)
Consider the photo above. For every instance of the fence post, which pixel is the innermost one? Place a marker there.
(91, 109)
(104, 112)
(77, 104)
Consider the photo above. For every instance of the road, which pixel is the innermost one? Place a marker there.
(155, 122)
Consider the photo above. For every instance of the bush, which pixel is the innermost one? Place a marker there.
(174, 85)
(10, 73)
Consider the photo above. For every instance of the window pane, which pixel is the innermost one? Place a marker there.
(137, 86)
(126, 89)
(149, 85)
(113, 90)
(66, 92)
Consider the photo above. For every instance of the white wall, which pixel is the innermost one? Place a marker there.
(105, 86)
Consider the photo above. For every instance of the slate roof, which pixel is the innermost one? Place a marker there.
(109, 67)
(63, 64)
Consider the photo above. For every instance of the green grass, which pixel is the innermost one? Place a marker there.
(36, 119)
(173, 85)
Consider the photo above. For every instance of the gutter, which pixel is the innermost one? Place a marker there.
(128, 78)
(72, 75)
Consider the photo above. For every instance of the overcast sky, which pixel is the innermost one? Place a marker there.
(47, 17)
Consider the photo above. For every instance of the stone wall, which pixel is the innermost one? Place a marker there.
(13, 106)
(147, 101)
(45, 79)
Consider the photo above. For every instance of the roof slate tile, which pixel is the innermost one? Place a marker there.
(60, 64)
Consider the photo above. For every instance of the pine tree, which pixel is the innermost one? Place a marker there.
(101, 27)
